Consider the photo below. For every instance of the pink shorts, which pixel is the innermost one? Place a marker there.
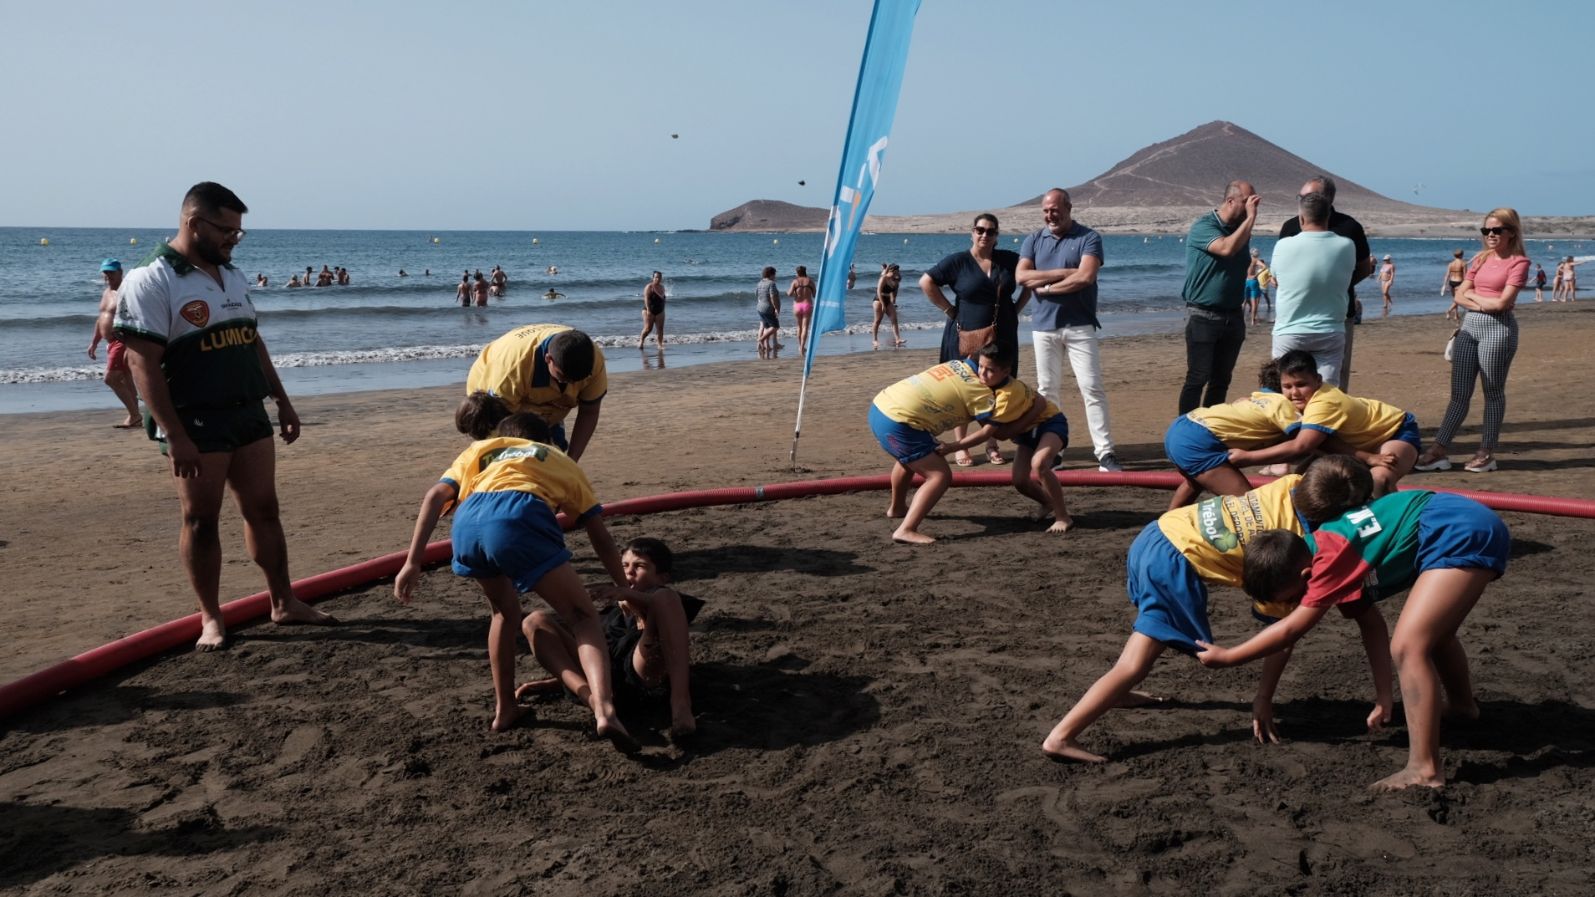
(115, 356)
(801, 308)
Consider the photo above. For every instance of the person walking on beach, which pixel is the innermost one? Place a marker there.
(768, 307)
(1315, 269)
(1539, 282)
(653, 311)
(1454, 270)
(117, 375)
(1059, 264)
(1570, 280)
(1216, 258)
(1487, 341)
(462, 292)
(886, 304)
(1387, 279)
(547, 369)
(801, 292)
(1346, 226)
(204, 373)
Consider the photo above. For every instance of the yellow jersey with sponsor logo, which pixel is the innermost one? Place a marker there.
(504, 464)
(942, 397)
(1212, 534)
(1257, 421)
(205, 327)
(513, 367)
(1364, 424)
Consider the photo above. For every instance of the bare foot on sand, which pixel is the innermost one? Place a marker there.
(129, 424)
(537, 687)
(911, 537)
(295, 612)
(1069, 751)
(896, 511)
(1407, 778)
(212, 635)
(1061, 526)
(682, 727)
(506, 717)
(616, 734)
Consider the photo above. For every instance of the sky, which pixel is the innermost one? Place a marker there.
(528, 115)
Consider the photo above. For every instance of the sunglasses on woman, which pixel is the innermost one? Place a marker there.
(982, 231)
(1494, 231)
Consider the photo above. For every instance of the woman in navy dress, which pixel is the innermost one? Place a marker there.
(984, 285)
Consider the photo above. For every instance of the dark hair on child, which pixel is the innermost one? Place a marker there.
(524, 425)
(1274, 560)
(479, 414)
(1299, 362)
(1330, 486)
(1268, 375)
(655, 552)
(996, 354)
(573, 351)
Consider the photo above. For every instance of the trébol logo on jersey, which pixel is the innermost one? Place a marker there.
(1210, 520)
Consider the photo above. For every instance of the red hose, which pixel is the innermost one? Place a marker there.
(29, 691)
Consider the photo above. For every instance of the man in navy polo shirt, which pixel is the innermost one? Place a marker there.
(1059, 263)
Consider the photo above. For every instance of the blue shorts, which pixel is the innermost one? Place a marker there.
(769, 319)
(511, 534)
(1409, 433)
(1193, 448)
(1169, 597)
(1459, 533)
(1253, 291)
(905, 443)
(1031, 439)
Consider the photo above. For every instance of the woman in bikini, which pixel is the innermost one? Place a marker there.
(802, 294)
(886, 304)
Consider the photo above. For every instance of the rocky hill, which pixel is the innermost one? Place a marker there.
(1163, 188)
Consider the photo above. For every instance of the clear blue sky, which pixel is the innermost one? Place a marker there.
(542, 115)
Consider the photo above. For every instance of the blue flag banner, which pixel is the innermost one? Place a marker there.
(880, 80)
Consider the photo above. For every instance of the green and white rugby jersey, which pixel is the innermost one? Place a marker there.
(208, 330)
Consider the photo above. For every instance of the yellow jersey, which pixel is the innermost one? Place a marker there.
(505, 464)
(943, 397)
(513, 368)
(1259, 420)
(1212, 534)
(1364, 424)
(1015, 398)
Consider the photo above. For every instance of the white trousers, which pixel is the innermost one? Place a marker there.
(1084, 348)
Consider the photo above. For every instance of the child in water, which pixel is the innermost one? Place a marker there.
(1445, 548)
(504, 491)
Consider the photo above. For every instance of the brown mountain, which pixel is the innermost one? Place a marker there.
(1162, 189)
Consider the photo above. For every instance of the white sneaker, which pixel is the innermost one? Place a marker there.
(1109, 463)
(1436, 464)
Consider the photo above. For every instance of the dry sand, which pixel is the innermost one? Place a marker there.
(871, 712)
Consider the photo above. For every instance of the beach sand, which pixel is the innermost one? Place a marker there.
(871, 712)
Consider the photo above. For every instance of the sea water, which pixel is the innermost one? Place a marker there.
(385, 331)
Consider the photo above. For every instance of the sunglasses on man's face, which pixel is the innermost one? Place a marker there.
(983, 231)
(1494, 231)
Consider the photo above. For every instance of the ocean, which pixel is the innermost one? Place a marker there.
(384, 331)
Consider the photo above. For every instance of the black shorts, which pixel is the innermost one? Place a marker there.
(218, 429)
(621, 637)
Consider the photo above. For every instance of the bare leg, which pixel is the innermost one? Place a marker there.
(504, 603)
(1225, 479)
(1185, 493)
(647, 328)
(875, 326)
(252, 475)
(1134, 663)
(664, 652)
(1035, 468)
(564, 592)
(555, 650)
(659, 329)
(902, 479)
(937, 478)
(961, 457)
(897, 332)
(1451, 663)
(1438, 603)
(121, 384)
(199, 545)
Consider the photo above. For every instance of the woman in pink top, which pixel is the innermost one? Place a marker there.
(1487, 341)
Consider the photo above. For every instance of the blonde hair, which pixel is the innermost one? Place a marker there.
(1514, 244)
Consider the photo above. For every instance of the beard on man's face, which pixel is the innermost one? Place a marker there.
(213, 253)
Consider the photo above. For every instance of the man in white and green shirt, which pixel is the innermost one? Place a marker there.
(204, 373)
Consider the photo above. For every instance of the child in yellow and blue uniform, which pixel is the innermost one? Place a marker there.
(1199, 443)
(907, 416)
(505, 491)
(1170, 565)
(1446, 548)
(1380, 435)
(1032, 462)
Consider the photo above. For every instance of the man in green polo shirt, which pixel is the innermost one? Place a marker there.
(204, 373)
(1216, 258)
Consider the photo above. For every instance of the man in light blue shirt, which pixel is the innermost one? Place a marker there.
(1314, 270)
(1059, 263)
